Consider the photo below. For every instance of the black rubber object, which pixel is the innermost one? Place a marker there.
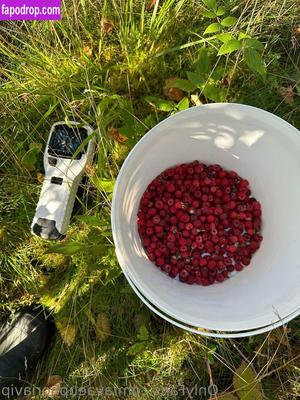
(46, 229)
(23, 341)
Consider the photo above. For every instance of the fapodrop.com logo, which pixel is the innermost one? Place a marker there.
(18, 10)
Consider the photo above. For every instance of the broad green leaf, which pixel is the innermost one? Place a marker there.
(220, 11)
(243, 35)
(97, 250)
(203, 64)
(218, 73)
(30, 158)
(131, 142)
(254, 61)
(67, 248)
(161, 104)
(298, 89)
(106, 233)
(107, 185)
(229, 47)
(149, 121)
(183, 104)
(92, 220)
(245, 383)
(143, 333)
(112, 274)
(184, 84)
(224, 37)
(136, 348)
(212, 28)
(195, 78)
(127, 130)
(228, 21)
(209, 14)
(211, 4)
(214, 93)
(253, 44)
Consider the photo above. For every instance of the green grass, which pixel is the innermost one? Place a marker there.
(103, 73)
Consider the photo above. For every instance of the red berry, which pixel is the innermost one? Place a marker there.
(199, 222)
(170, 187)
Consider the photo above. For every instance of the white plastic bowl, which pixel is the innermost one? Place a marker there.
(260, 147)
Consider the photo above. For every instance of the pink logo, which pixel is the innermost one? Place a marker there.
(30, 10)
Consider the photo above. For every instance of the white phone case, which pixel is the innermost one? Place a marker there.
(62, 178)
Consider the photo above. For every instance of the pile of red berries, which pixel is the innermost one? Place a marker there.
(199, 222)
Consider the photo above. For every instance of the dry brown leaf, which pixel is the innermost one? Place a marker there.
(172, 93)
(151, 4)
(296, 31)
(203, 330)
(103, 330)
(117, 136)
(90, 169)
(87, 49)
(40, 177)
(67, 332)
(226, 81)
(279, 336)
(287, 94)
(106, 25)
(53, 386)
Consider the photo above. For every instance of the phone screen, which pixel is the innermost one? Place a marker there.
(65, 140)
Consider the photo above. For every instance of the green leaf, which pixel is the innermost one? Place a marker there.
(161, 104)
(209, 14)
(97, 250)
(229, 47)
(183, 104)
(243, 35)
(211, 4)
(112, 274)
(143, 333)
(227, 396)
(253, 44)
(149, 121)
(67, 248)
(212, 28)
(218, 73)
(203, 64)
(214, 93)
(92, 220)
(30, 158)
(298, 89)
(107, 185)
(136, 348)
(245, 383)
(131, 142)
(195, 78)
(183, 84)
(254, 61)
(127, 130)
(224, 37)
(220, 11)
(228, 21)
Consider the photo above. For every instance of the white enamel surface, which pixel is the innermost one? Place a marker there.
(260, 147)
(211, 333)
